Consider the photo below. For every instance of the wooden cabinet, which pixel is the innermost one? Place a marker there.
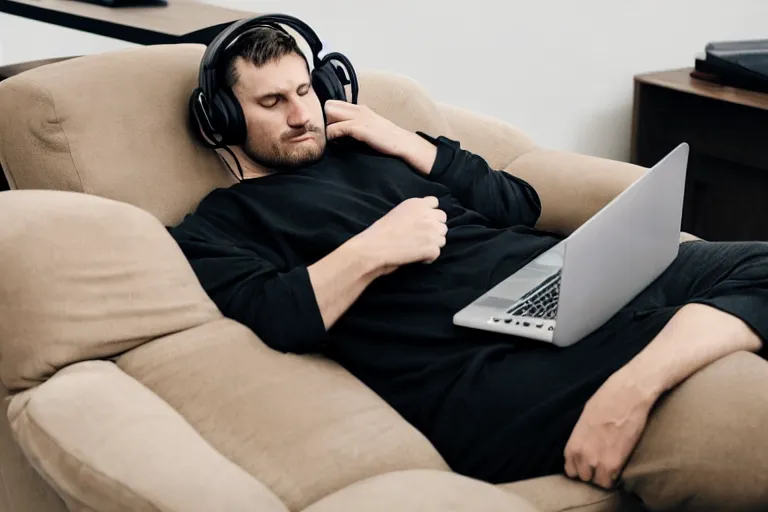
(726, 195)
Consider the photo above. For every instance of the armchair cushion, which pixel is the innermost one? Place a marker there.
(21, 487)
(83, 277)
(403, 101)
(93, 278)
(572, 187)
(302, 425)
(113, 124)
(558, 493)
(105, 442)
(498, 142)
(422, 491)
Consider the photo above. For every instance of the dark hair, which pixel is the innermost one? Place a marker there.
(260, 46)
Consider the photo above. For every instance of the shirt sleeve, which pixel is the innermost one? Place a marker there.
(278, 306)
(504, 199)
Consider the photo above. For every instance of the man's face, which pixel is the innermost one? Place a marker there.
(283, 114)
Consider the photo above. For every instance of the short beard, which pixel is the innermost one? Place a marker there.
(280, 161)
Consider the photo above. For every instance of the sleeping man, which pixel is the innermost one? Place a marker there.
(363, 251)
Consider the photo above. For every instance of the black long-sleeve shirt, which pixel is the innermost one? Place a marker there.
(250, 246)
(497, 407)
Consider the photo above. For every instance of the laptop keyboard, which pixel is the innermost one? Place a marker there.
(541, 301)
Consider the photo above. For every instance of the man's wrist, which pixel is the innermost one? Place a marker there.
(363, 259)
(668, 360)
(647, 384)
(418, 152)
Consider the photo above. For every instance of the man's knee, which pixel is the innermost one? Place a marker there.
(706, 443)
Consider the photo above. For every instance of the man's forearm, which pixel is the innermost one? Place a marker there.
(696, 336)
(339, 278)
(417, 152)
(614, 418)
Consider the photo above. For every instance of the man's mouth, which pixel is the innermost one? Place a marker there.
(307, 134)
(304, 136)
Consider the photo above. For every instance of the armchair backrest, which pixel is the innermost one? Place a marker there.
(116, 125)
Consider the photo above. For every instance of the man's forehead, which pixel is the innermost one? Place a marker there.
(284, 74)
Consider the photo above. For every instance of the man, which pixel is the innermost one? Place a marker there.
(361, 240)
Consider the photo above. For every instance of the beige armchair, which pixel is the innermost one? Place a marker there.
(127, 390)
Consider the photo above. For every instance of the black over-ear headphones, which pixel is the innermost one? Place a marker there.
(215, 107)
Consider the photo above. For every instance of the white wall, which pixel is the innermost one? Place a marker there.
(559, 69)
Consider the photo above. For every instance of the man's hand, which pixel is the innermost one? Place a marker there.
(607, 431)
(362, 123)
(413, 231)
(365, 125)
(614, 418)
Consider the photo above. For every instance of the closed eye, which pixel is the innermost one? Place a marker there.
(269, 101)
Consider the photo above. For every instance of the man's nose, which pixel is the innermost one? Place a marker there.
(298, 115)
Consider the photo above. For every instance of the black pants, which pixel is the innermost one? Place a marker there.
(512, 417)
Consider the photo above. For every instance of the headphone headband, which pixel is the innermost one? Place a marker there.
(209, 65)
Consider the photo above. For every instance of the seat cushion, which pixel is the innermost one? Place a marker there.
(421, 491)
(557, 493)
(302, 425)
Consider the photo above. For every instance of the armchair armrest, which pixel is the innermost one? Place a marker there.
(572, 187)
(106, 442)
(20, 67)
(499, 143)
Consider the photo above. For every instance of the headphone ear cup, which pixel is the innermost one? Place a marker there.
(327, 84)
(219, 119)
(198, 118)
(228, 118)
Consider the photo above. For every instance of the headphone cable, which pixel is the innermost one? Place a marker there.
(237, 162)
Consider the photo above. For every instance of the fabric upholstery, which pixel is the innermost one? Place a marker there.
(300, 424)
(106, 442)
(557, 493)
(499, 142)
(421, 491)
(403, 101)
(21, 488)
(83, 277)
(572, 187)
(123, 135)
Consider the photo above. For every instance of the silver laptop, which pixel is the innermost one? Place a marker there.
(573, 288)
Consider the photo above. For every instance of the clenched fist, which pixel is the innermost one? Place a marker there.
(413, 231)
